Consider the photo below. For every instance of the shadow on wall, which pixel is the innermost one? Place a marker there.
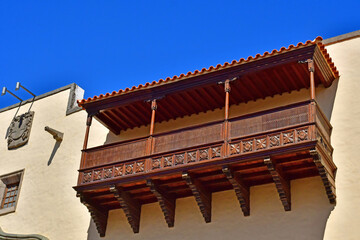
(267, 220)
(326, 98)
(56, 147)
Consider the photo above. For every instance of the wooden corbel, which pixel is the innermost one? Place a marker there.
(242, 191)
(326, 177)
(281, 182)
(202, 196)
(167, 203)
(131, 207)
(98, 214)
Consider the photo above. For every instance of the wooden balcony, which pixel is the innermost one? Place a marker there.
(276, 145)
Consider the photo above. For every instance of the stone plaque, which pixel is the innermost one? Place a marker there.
(19, 130)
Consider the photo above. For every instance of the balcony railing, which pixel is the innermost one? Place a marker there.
(266, 133)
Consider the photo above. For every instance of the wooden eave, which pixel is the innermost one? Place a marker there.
(267, 76)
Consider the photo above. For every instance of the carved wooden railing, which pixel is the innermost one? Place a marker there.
(265, 131)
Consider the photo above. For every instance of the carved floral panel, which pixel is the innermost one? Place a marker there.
(191, 156)
(118, 170)
(204, 154)
(156, 163)
(108, 173)
(234, 148)
(179, 158)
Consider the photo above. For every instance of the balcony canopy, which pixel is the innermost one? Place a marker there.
(254, 78)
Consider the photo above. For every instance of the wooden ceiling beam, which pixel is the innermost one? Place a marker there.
(98, 213)
(236, 93)
(262, 85)
(122, 117)
(189, 107)
(268, 79)
(172, 101)
(117, 117)
(142, 115)
(169, 111)
(132, 116)
(201, 100)
(284, 71)
(131, 207)
(108, 123)
(195, 103)
(279, 78)
(240, 84)
(209, 98)
(281, 182)
(220, 99)
(202, 196)
(300, 76)
(167, 203)
(242, 191)
(253, 88)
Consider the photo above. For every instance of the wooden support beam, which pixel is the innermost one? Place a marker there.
(242, 191)
(153, 110)
(202, 196)
(131, 207)
(282, 184)
(311, 68)
(328, 180)
(98, 214)
(167, 203)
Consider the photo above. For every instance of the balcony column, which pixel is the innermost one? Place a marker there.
(311, 69)
(150, 144)
(227, 89)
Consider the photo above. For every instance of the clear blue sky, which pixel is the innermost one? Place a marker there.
(110, 45)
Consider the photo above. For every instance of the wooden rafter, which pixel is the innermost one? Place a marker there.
(280, 79)
(326, 177)
(174, 103)
(284, 72)
(98, 214)
(167, 203)
(202, 196)
(200, 99)
(131, 115)
(101, 117)
(253, 88)
(209, 98)
(120, 118)
(143, 116)
(195, 103)
(302, 79)
(242, 191)
(282, 184)
(131, 207)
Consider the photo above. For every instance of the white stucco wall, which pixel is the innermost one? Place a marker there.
(47, 204)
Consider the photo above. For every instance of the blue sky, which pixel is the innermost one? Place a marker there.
(110, 45)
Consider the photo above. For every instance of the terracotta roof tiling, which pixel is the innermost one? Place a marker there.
(317, 41)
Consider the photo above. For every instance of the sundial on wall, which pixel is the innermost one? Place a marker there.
(19, 130)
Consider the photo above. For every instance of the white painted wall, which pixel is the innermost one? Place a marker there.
(47, 204)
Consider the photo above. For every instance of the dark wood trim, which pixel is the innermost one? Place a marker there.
(202, 196)
(281, 182)
(167, 203)
(325, 176)
(131, 207)
(98, 214)
(241, 190)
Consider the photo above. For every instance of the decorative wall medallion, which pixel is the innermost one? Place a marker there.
(19, 130)
(107, 173)
(87, 177)
(97, 175)
(204, 154)
(215, 152)
(302, 134)
(156, 163)
(129, 168)
(140, 166)
(168, 161)
(247, 146)
(234, 148)
(179, 158)
(260, 143)
(274, 140)
(118, 171)
(191, 156)
(288, 137)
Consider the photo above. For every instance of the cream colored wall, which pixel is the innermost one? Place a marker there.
(47, 204)
(344, 221)
(267, 220)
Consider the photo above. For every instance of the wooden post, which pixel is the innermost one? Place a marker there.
(153, 110)
(311, 68)
(227, 89)
(88, 124)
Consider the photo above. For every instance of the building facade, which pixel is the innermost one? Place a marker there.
(244, 150)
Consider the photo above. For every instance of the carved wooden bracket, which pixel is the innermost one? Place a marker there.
(242, 191)
(328, 180)
(202, 196)
(131, 207)
(282, 184)
(98, 214)
(167, 203)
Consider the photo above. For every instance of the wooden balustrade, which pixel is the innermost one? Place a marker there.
(263, 131)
